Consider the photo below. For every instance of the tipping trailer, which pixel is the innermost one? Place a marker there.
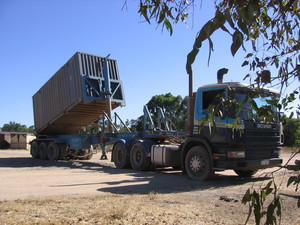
(199, 152)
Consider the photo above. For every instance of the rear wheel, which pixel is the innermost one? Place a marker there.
(62, 151)
(53, 151)
(120, 157)
(245, 173)
(198, 164)
(34, 150)
(138, 158)
(43, 150)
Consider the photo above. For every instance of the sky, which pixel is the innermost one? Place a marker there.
(39, 36)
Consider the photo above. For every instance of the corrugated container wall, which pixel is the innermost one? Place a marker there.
(75, 95)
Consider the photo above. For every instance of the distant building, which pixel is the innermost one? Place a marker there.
(15, 140)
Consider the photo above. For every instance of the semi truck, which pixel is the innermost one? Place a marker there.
(88, 87)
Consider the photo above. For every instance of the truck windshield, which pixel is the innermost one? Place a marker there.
(260, 98)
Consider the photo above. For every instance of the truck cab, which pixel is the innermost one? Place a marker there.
(237, 137)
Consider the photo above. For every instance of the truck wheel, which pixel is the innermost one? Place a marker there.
(62, 151)
(53, 151)
(43, 150)
(120, 157)
(34, 150)
(198, 164)
(138, 159)
(245, 173)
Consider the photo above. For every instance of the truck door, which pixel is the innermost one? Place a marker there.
(208, 100)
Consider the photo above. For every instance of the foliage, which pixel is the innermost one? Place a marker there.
(136, 125)
(256, 200)
(295, 180)
(17, 127)
(291, 131)
(271, 26)
(174, 108)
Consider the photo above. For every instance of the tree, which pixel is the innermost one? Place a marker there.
(271, 26)
(12, 126)
(272, 29)
(174, 108)
(291, 131)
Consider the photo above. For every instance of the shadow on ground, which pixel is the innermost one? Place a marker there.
(138, 182)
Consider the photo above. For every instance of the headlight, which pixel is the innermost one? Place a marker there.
(236, 154)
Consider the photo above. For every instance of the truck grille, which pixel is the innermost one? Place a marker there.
(262, 143)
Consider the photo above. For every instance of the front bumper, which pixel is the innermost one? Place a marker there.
(250, 164)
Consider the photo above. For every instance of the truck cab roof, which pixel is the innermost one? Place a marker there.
(235, 85)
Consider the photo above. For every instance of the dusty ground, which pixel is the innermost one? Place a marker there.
(95, 192)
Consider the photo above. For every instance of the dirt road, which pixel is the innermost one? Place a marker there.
(95, 192)
(23, 177)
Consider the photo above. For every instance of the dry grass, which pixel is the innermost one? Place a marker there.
(115, 209)
(147, 209)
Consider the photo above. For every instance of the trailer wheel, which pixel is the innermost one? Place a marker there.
(120, 157)
(245, 173)
(53, 151)
(34, 150)
(138, 158)
(198, 164)
(62, 151)
(43, 151)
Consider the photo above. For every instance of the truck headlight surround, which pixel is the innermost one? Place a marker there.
(236, 154)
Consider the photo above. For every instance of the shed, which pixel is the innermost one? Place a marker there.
(15, 140)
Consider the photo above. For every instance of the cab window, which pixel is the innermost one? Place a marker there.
(211, 98)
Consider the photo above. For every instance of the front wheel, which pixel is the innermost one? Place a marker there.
(245, 173)
(198, 163)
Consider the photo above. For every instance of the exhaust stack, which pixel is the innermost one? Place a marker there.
(220, 74)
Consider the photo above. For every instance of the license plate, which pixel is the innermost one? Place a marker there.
(264, 126)
(265, 162)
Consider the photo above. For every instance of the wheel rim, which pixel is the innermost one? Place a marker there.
(120, 155)
(137, 159)
(138, 155)
(196, 163)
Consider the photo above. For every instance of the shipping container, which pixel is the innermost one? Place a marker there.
(76, 95)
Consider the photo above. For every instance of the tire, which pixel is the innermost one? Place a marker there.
(120, 157)
(62, 151)
(43, 150)
(53, 151)
(198, 164)
(34, 150)
(245, 173)
(138, 159)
